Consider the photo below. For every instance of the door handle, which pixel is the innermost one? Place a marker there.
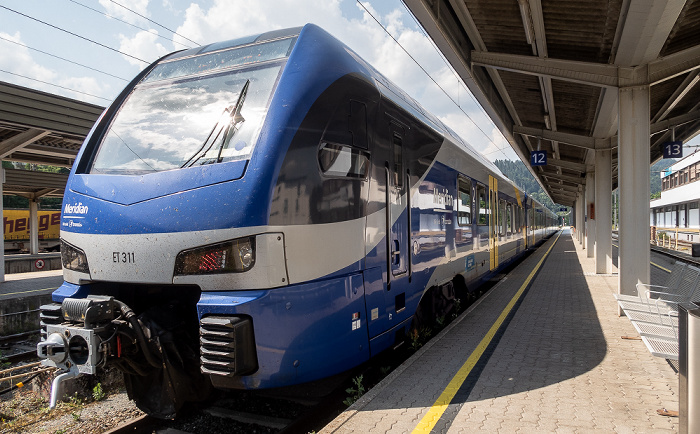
(396, 253)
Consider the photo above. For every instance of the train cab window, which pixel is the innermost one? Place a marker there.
(483, 205)
(343, 161)
(464, 205)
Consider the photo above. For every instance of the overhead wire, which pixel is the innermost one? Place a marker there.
(74, 34)
(56, 85)
(154, 22)
(130, 24)
(61, 58)
(442, 56)
(428, 75)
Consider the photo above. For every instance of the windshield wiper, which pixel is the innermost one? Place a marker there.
(235, 119)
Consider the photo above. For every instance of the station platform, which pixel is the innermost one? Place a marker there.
(18, 285)
(21, 295)
(542, 351)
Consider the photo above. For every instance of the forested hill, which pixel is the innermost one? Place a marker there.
(518, 173)
(655, 176)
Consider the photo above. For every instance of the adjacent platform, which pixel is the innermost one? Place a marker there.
(21, 295)
(30, 284)
(556, 363)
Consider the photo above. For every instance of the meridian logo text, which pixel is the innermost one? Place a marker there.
(78, 208)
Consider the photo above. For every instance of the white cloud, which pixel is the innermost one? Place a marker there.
(18, 61)
(370, 41)
(89, 85)
(142, 45)
(140, 6)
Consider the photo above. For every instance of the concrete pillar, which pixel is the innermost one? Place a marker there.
(581, 219)
(33, 227)
(590, 220)
(577, 220)
(603, 210)
(633, 157)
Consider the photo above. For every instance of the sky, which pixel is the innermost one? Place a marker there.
(90, 49)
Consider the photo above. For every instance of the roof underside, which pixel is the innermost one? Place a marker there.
(503, 50)
(41, 128)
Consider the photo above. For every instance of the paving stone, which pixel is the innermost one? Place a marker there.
(559, 367)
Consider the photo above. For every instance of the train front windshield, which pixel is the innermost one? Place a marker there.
(198, 110)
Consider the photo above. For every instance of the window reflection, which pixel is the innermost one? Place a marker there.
(162, 125)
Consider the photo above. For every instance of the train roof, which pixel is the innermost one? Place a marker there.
(390, 90)
(313, 34)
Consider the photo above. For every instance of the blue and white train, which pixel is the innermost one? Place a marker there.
(265, 212)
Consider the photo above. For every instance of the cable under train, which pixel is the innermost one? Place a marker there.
(265, 212)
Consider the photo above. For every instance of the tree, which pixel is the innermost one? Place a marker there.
(518, 173)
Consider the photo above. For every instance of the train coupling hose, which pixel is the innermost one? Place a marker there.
(56, 385)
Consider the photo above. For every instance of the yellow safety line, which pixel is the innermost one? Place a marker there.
(659, 266)
(433, 416)
(25, 292)
(655, 265)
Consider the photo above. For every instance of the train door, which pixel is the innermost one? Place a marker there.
(523, 224)
(493, 222)
(397, 221)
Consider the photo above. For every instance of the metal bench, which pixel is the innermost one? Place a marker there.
(654, 310)
(666, 298)
(672, 284)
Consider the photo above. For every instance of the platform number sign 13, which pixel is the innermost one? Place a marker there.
(538, 158)
(673, 149)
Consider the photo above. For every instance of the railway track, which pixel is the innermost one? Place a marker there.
(19, 347)
(249, 412)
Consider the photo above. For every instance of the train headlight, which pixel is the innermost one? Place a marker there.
(234, 256)
(73, 258)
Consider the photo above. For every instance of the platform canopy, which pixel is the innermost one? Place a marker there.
(548, 73)
(40, 128)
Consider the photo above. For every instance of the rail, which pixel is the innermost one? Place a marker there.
(3, 315)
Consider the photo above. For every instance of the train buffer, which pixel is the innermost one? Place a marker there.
(540, 352)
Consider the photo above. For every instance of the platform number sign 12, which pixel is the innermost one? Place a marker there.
(673, 149)
(538, 158)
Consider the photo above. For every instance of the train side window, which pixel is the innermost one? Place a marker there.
(358, 124)
(509, 218)
(501, 217)
(343, 161)
(398, 161)
(483, 205)
(464, 205)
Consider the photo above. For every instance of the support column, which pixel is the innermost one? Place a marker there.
(633, 157)
(577, 220)
(590, 219)
(33, 227)
(603, 211)
(581, 225)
